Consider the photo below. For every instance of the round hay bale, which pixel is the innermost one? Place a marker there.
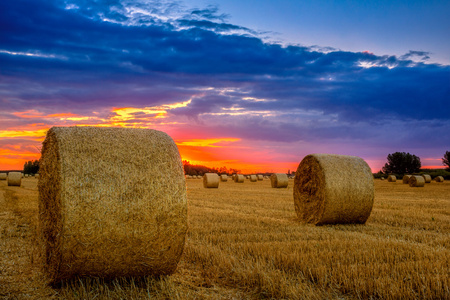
(439, 179)
(211, 180)
(406, 179)
(233, 176)
(392, 178)
(427, 178)
(112, 203)
(239, 178)
(14, 179)
(199, 177)
(279, 180)
(36, 176)
(416, 181)
(223, 177)
(382, 178)
(3, 176)
(260, 177)
(253, 178)
(333, 189)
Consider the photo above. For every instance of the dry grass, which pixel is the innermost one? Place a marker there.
(245, 242)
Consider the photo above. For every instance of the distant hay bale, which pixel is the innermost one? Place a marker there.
(223, 177)
(233, 176)
(279, 180)
(239, 178)
(333, 189)
(112, 203)
(211, 180)
(382, 178)
(3, 176)
(14, 178)
(266, 177)
(406, 179)
(36, 176)
(439, 179)
(392, 178)
(199, 176)
(260, 177)
(416, 181)
(253, 178)
(427, 178)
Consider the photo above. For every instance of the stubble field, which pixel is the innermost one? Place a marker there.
(244, 242)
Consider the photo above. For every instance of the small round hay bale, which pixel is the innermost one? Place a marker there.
(211, 180)
(14, 178)
(406, 179)
(112, 203)
(439, 179)
(279, 180)
(3, 176)
(253, 178)
(382, 178)
(266, 177)
(36, 176)
(416, 181)
(392, 178)
(260, 177)
(239, 178)
(223, 177)
(427, 178)
(333, 189)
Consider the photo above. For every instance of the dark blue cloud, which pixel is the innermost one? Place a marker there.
(87, 55)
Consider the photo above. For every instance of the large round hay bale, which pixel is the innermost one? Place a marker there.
(405, 179)
(223, 177)
(3, 176)
(416, 181)
(253, 178)
(392, 178)
(333, 189)
(279, 180)
(427, 178)
(439, 179)
(112, 202)
(260, 177)
(239, 178)
(211, 180)
(14, 179)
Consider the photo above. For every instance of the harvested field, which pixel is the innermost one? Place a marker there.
(245, 242)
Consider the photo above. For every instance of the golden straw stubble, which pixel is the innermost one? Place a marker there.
(333, 189)
(112, 202)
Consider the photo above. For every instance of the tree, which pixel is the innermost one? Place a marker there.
(31, 167)
(446, 159)
(401, 163)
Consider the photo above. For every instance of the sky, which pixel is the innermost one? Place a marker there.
(251, 85)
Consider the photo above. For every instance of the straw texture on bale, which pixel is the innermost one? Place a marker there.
(223, 177)
(333, 189)
(392, 178)
(3, 176)
(253, 178)
(14, 179)
(439, 179)
(211, 180)
(279, 180)
(260, 177)
(406, 179)
(239, 178)
(416, 181)
(112, 203)
(427, 178)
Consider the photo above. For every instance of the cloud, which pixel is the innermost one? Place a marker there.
(89, 57)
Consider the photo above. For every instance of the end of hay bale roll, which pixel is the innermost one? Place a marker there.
(112, 203)
(14, 179)
(239, 178)
(3, 176)
(439, 179)
(416, 181)
(223, 178)
(333, 189)
(260, 177)
(427, 178)
(211, 180)
(392, 178)
(279, 180)
(253, 178)
(406, 178)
